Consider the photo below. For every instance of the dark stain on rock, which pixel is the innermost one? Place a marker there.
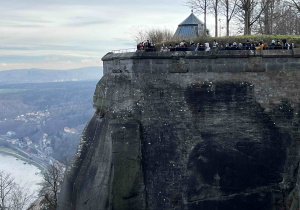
(199, 95)
(241, 147)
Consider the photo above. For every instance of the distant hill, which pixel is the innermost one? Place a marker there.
(42, 75)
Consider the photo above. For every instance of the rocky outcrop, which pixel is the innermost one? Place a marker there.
(190, 131)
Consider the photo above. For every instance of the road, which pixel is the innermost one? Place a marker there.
(40, 158)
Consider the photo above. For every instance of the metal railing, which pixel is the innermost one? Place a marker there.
(124, 50)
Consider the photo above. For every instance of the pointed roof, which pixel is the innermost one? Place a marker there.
(191, 20)
(186, 31)
(190, 27)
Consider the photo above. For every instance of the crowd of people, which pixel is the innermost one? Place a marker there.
(146, 45)
(191, 46)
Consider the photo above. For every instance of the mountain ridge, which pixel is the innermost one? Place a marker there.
(36, 75)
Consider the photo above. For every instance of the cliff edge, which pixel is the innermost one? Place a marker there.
(190, 130)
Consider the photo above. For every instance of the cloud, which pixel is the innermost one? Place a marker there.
(87, 23)
(114, 3)
(76, 32)
(86, 61)
(19, 25)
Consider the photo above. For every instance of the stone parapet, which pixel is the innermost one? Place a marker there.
(196, 62)
(213, 54)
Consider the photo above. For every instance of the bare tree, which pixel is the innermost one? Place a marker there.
(265, 21)
(7, 185)
(250, 11)
(200, 6)
(139, 33)
(297, 4)
(267, 15)
(228, 8)
(215, 9)
(50, 187)
(20, 198)
(272, 15)
(288, 23)
(13, 197)
(156, 35)
(278, 17)
(159, 35)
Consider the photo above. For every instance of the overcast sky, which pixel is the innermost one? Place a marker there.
(66, 34)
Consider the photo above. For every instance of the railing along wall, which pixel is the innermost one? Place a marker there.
(124, 50)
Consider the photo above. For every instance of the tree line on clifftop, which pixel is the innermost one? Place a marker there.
(262, 18)
(251, 17)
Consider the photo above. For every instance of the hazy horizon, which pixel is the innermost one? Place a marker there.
(51, 69)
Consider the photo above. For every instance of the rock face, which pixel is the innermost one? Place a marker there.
(187, 131)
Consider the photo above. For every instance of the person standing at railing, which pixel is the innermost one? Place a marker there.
(149, 44)
(215, 44)
(278, 45)
(140, 46)
(192, 47)
(145, 45)
(197, 47)
(207, 48)
(260, 46)
(248, 45)
(293, 45)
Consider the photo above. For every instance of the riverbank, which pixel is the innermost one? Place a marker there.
(14, 153)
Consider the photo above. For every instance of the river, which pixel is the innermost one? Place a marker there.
(24, 174)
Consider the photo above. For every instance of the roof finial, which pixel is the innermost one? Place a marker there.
(192, 11)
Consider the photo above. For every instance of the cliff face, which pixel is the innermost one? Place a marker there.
(190, 131)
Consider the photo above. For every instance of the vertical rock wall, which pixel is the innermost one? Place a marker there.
(190, 131)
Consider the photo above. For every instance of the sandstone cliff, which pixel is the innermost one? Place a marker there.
(211, 131)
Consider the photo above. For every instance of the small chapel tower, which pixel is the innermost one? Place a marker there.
(190, 27)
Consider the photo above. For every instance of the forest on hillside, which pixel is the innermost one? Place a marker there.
(41, 112)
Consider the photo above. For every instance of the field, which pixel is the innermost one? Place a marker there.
(4, 91)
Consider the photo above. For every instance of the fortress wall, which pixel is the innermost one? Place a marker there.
(273, 73)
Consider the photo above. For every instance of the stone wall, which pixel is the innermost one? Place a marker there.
(274, 73)
(191, 130)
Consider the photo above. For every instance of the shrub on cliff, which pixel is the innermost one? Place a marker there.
(155, 35)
